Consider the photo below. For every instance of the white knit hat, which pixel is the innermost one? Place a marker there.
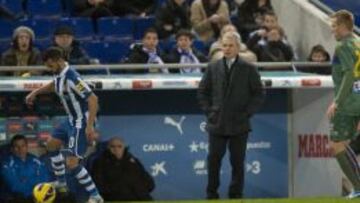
(25, 29)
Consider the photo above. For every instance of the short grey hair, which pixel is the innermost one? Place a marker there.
(232, 36)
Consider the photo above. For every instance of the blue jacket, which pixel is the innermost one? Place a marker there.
(20, 177)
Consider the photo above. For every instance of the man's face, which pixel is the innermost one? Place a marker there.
(337, 29)
(184, 42)
(150, 41)
(270, 21)
(230, 47)
(117, 148)
(23, 40)
(53, 65)
(64, 40)
(318, 57)
(20, 149)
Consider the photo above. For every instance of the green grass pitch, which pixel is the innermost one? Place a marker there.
(297, 200)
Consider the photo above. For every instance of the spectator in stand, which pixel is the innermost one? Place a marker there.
(91, 8)
(318, 54)
(21, 171)
(147, 52)
(275, 50)
(216, 51)
(6, 13)
(250, 16)
(172, 16)
(140, 8)
(259, 36)
(184, 53)
(64, 38)
(120, 176)
(22, 52)
(208, 17)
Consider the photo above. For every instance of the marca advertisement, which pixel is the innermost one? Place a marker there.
(316, 172)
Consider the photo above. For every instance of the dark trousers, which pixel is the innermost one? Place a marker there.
(217, 149)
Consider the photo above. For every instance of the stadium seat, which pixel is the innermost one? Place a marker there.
(107, 52)
(15, 6)
(115, 28)
(200, 46)
(44, 8)
(43, 28)
(83, 27)
(353, 6)
(357, 20)
(43, 44)
(141, 25)
(167, 45)
(6, 30)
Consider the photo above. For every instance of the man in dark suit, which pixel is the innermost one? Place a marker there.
(230, 92)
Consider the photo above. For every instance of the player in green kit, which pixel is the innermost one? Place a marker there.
(344, 111)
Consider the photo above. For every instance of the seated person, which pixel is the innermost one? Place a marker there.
(137, 8)
(64, 38)
(250, 16)
(184, 53)
(274, 50)
(120, 176)
(216, 51)
(172, 16)
(320, 55)
(208, 17)
(21, 171)
(258, 37)
(91, 8)
(22, 52)
(147, 52)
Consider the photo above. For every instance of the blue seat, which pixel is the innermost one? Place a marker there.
(44, 8)
(83, 27)
(15, 6)
(43, 44)
(43, 28)
(200, 46)
(141, 25)
(167, 45)
(6, 29)
(107, 52)
(357, 20)
(115, 28)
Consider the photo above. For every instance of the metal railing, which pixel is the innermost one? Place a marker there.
(263, 65)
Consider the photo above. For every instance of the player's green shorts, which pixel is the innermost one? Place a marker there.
(343, 127)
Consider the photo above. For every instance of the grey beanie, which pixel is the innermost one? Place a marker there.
(25, 29)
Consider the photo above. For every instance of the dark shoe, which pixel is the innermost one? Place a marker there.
(212, 196)
(235, 196)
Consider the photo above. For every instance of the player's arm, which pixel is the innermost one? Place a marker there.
(50, 87)
(93, 108)
(347, 60)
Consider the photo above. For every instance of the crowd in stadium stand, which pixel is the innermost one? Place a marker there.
(86, 29)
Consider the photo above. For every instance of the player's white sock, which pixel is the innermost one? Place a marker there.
(58, 166)
(85, 180)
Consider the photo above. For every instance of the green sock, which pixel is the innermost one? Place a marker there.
(350, 170)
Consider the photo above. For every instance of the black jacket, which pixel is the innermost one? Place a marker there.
(175, 57)
(124, 179)
(77, 55)
(274, 52)
(230, 97)
(139, 56)
(171, 13)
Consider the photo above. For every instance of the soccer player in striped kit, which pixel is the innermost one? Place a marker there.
(81, 105)
(344, 111)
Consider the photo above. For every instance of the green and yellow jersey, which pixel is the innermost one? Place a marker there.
(346, 75)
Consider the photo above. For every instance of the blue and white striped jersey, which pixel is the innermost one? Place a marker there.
(73, 93)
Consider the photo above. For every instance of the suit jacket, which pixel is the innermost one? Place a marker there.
(230, 96)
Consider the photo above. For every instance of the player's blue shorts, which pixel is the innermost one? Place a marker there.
(74, 139)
